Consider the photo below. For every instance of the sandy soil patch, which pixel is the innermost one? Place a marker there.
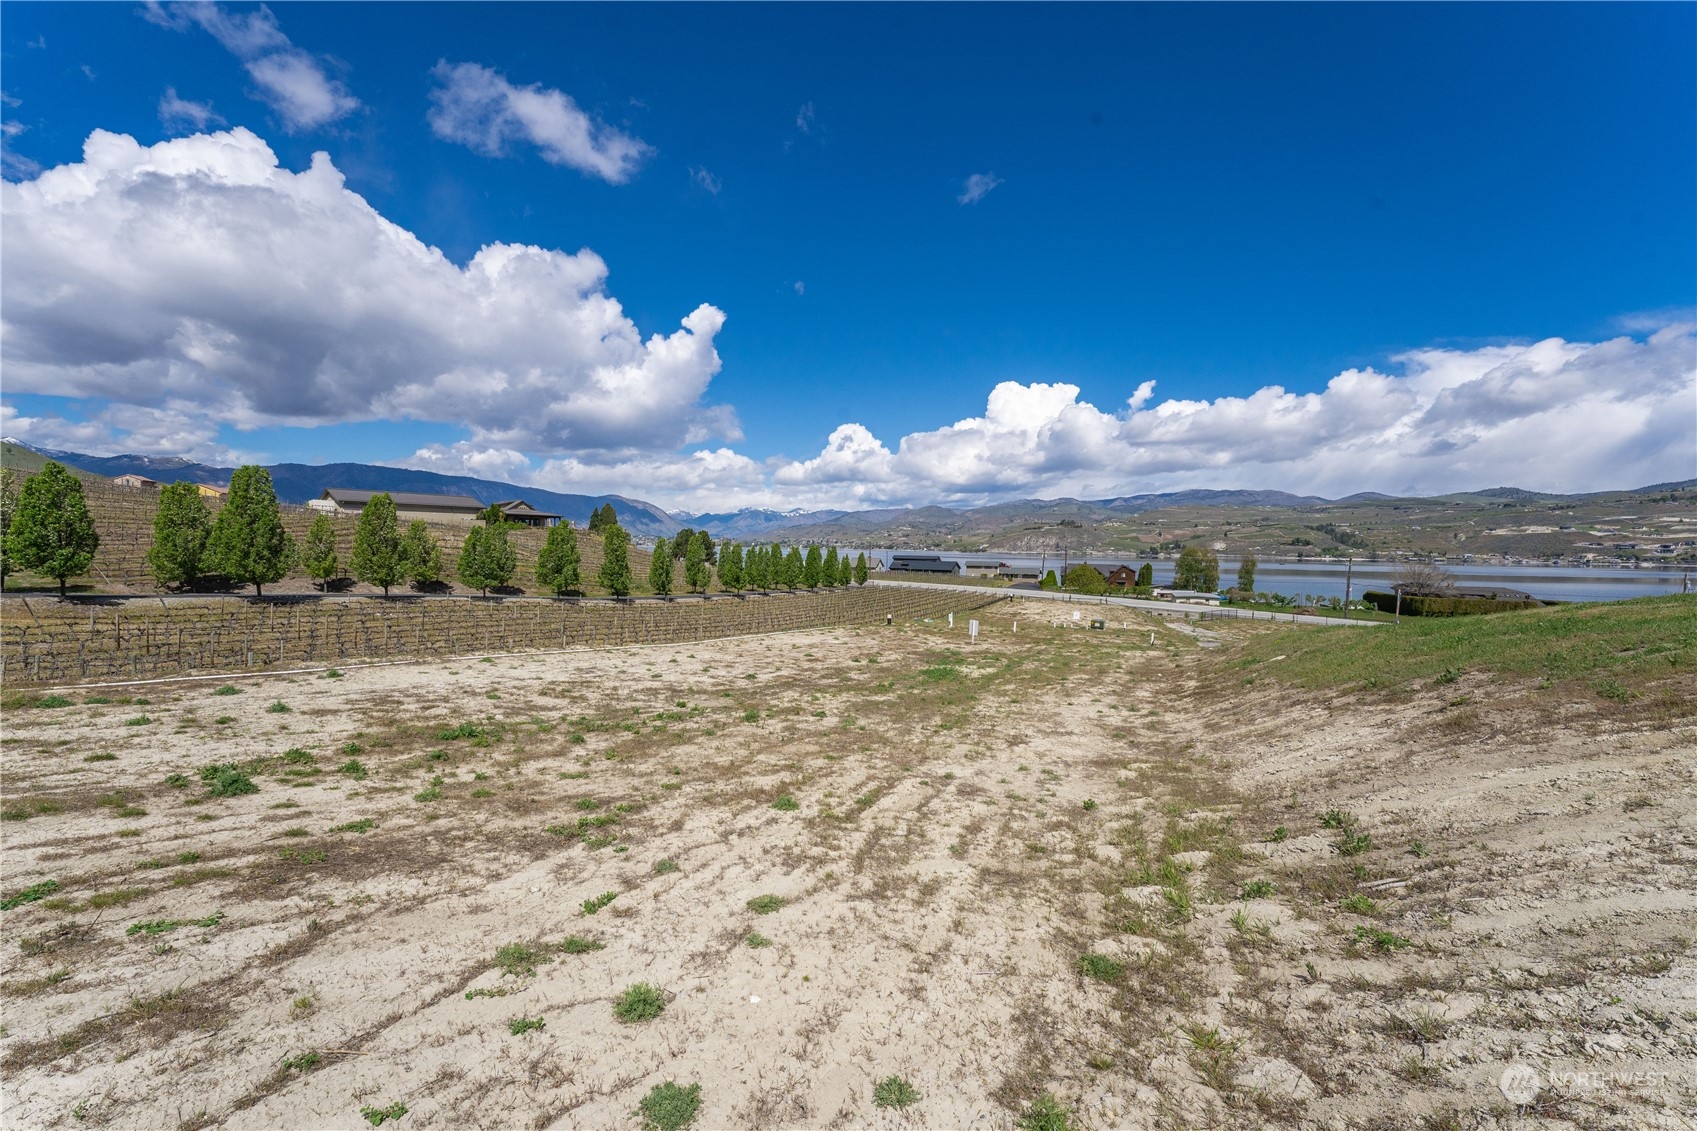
(1059, 861)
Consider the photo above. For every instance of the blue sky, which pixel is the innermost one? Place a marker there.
(945, 248)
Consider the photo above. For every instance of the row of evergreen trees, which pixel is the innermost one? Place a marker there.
(47, 529)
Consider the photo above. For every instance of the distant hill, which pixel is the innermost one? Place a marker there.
(299, 482)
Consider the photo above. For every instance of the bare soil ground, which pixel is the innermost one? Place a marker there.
(1058, 861)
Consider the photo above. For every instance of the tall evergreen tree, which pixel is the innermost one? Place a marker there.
(794, 569)
(559, 566)
(181, 527)
(845, 571)
(602, 519)
(319, 555)
(828, 574)
(420, 555)
(377, 544)
(731, 567)
(754, 567)
(51, 532)
(10, 485)
(1145, 576)
(812, 568)
(614, 574)
(248, 542)
(680, 543)
(660, 568)
(860, 571)
(1246, 573)
(469, 567)
(697, 573)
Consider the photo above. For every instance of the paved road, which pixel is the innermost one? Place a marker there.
(1159, 608)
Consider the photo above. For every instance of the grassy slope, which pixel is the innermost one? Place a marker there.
(1622, 641)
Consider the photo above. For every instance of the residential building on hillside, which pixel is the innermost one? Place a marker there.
(1123, 576)
(408, 506)
(134, 481)
(520, 512)
(208, 491)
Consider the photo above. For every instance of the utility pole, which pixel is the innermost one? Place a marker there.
(1348, 579)
(1398, 619)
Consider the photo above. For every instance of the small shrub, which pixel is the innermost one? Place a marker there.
(377, 1116)
(1046, 1114)
(751, 715)
(224, 780)
(519, 959)
(518, 1026)
(1354, 843)
(353, 767)
(430, 793)
(304, 855)
(893, 1091)
(227, 690)
(363, 825)
(765, 904)
(587, 803)
(278, 707)
(1100, 967)
(101, 758)
(1279, 834)
(669, 1107)
(331, 673)
(1257, 889)
(758, 940)
(53, 701)
(30, 894)
(138, 721)
(1089, 806)
(577, 944)
(1382, 940)
(641, 1002)
(666, 867)
(178, 781)
(303, 1063)
(463, 730)
(1358, 904)
(591, 906)
(1336, 819)
(786, 804)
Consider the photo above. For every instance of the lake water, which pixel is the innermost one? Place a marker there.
(1326, 579)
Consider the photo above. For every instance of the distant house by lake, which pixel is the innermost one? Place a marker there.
(1123, 576)
(921, 563)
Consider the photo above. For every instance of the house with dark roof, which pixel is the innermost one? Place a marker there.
(520, 512)
(1124, 577)
(408, 506)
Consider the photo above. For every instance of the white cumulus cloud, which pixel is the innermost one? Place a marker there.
(480, 109)
(293, 82)
(200, 277)
(1552, 415)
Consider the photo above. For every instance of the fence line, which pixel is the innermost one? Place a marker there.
(52, 642)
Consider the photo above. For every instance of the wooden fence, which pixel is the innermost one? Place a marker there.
(48, 642)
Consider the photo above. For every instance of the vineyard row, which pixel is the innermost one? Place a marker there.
(47, 642)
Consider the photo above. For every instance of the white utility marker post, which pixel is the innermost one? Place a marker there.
(951, 620)
(972, 630)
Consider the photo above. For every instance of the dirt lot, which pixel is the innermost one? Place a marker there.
(1074, 863)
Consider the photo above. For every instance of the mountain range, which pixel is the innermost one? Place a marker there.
(915, 527)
